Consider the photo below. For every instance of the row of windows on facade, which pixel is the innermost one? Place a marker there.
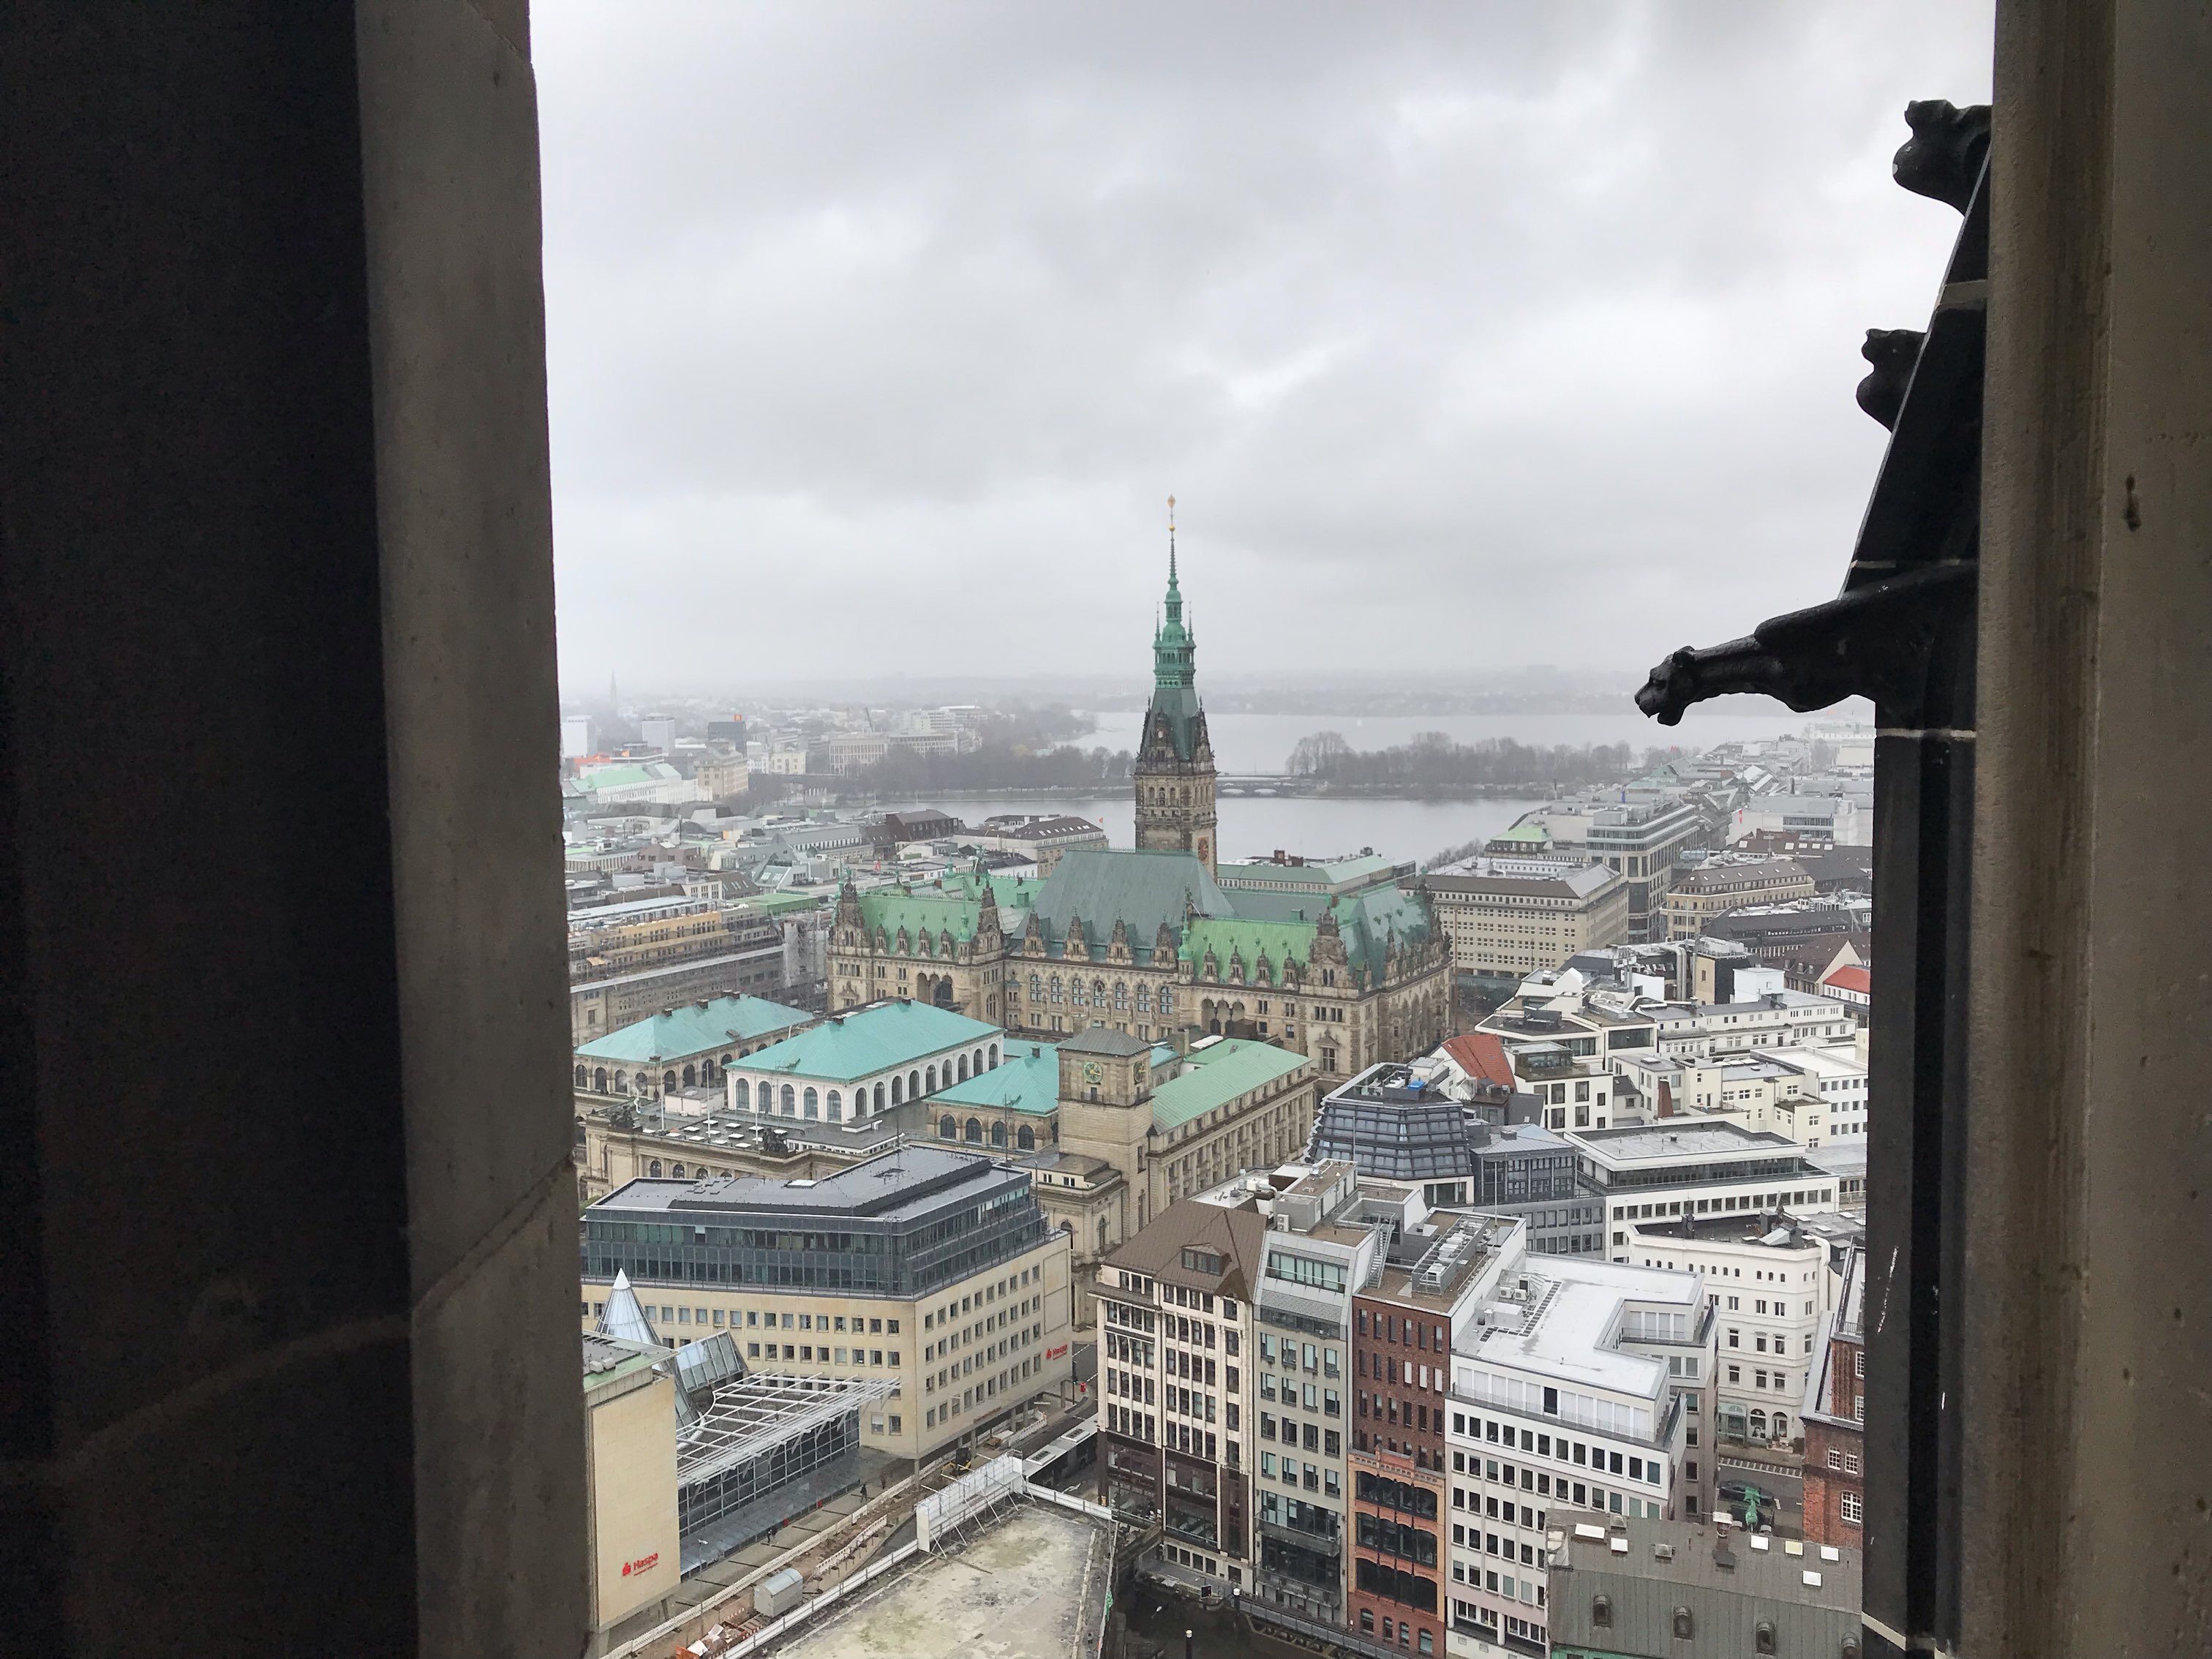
(1558, 1447)
(1427, 1643)
(988, 1389)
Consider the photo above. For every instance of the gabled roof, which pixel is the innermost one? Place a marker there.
(1236, 1235)
(1216, 1074)
(1482, 1057)
(1370, 919)
(1230, 936)
(1102, 885)
(1851, 978)
(694, 1029)
(871, 1040)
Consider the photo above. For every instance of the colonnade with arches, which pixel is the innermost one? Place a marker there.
(820, 1100)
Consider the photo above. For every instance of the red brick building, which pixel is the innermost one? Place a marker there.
(1834, 1416)
(1401, 1374)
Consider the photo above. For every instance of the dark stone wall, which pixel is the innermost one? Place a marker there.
(295, 1355)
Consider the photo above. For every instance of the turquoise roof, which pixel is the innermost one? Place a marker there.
(1216, 1074)
(1225, 936)
(1028, 1080)
(1370, 919)
(1102, 885)
(694, 1029)
(846, 1047)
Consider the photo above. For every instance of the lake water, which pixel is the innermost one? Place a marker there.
(1262, 743)
(1253, 826)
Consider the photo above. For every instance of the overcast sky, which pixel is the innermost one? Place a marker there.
(1467, 336)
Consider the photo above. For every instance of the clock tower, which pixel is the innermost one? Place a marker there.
(1174, 771)
(1105, 1111)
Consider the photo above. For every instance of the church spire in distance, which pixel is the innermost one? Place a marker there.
(1172, 643)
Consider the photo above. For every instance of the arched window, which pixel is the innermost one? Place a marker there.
(668, 1079)
(1102, 1235)
(1099, 994)
(741, 1094)
(622, 1081)
(1075, 992)
(1167, 1003)
(879, 1096)
(690, 1076)
(1684, 1627)
(929, 1078)
(583, 1077)
(837, 1103)
(995, 1053)
(1759, 1425)
(1025, 1139)
(913, 1085)
(814, 1102)
(653, 1167)
(1781, 1426)
(579, 1131)
(1601, 1612)
(898, 1090)
(964, 1068)
(1144, 998)
(599, 1080)
(727, 1061)
(1054, 989)
(678, 1171)
(1037, 988)
(947, 1129)
(975, 1131)
(790, 1100)
(979, 1062)
(1121, 995)
(998, 1133)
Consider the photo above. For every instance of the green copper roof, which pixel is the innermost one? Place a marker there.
(1027, 1081)
(1225, 936)
(926, 911)
(1528, 832)
(694, 1029)
(1173, 643)
(1102, 885)
(1369, 919)
(1216, 1074)
(857, 1045)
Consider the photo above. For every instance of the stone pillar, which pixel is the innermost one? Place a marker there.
(293, 1361)
(2088, 1320)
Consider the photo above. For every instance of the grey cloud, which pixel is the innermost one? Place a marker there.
(1527, 333)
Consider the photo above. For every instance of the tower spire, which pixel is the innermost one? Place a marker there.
(1171, 550)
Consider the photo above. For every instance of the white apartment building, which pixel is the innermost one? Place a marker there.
(1777, 1019)
(1767, 1280)
(1813, 1094)
(1695, 1166)
(1582, 1385)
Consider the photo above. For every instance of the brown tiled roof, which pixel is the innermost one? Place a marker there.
(1235, 1236)
(1482, 1056)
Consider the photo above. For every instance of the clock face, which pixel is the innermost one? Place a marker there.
(1093, 1072)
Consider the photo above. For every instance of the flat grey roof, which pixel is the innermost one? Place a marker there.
(894, 1186)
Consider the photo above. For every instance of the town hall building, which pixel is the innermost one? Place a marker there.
(1161, 938)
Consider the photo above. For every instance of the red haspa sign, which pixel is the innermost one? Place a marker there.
(643, 1564)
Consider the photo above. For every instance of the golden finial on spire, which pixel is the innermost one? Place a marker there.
(1171, 513)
